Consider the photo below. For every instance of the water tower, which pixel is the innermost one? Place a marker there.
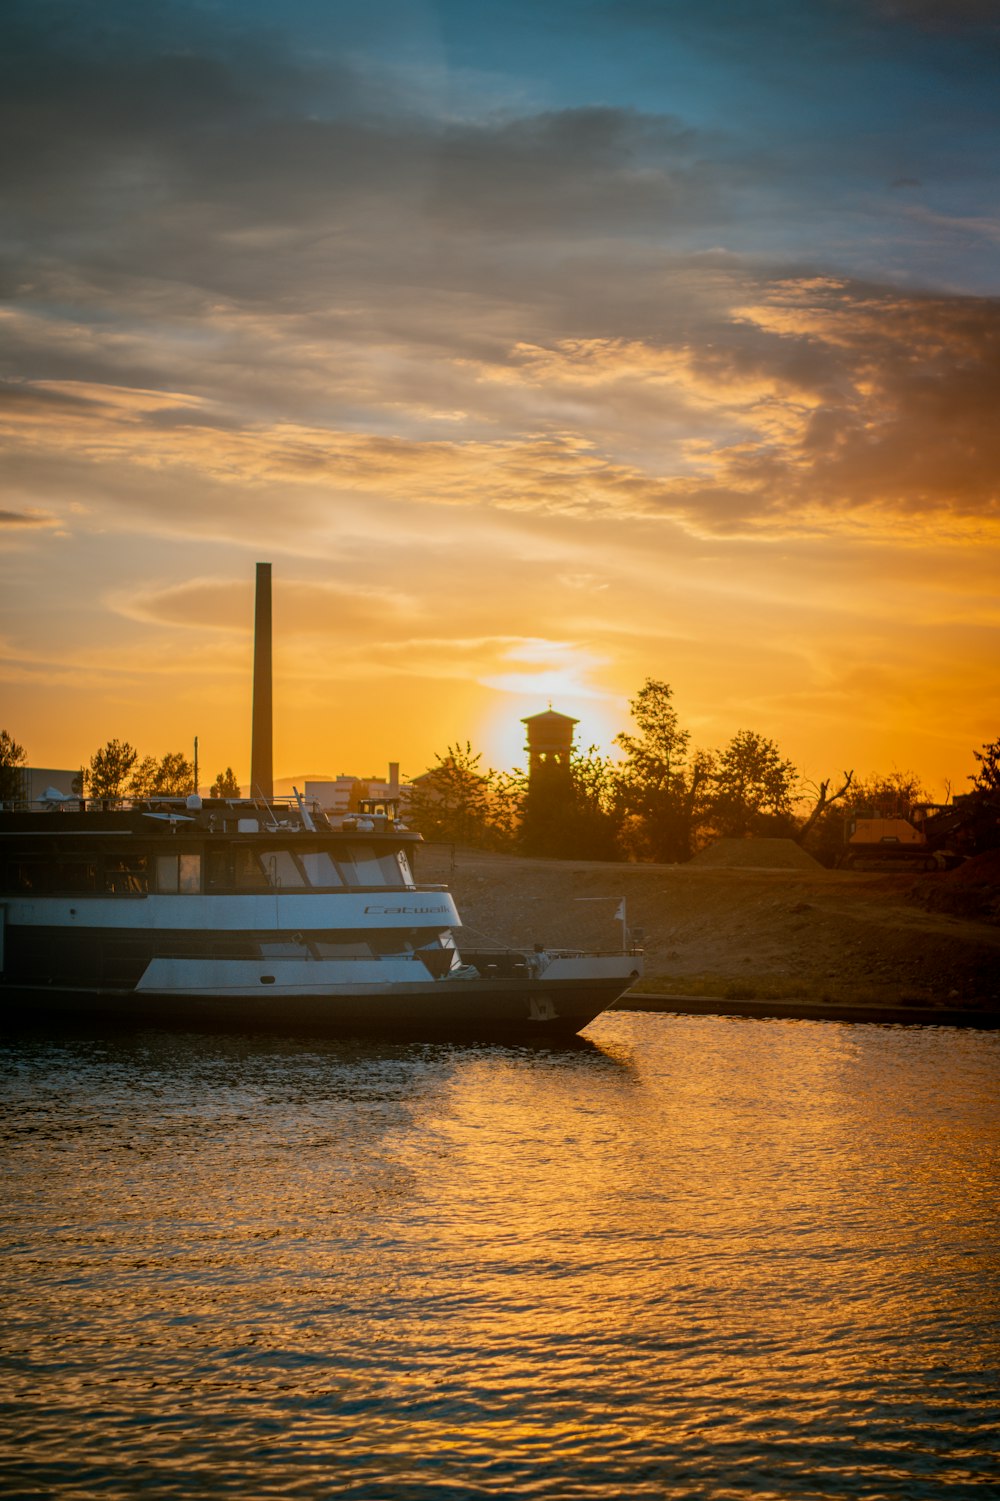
(550, 744)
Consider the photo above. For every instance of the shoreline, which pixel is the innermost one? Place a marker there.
(932, 1016)
(754, 941)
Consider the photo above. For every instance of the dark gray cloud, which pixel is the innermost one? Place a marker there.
(979, 16)
(790, 27)
(25, 518)
(902, 392)
(160, 169)
(168, 191)
(170, 166)
(171, 193)
(21, 397)
(280, 235)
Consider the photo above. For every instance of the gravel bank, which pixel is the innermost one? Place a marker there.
(745, 934)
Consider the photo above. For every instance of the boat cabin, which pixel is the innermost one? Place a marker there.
(213, 850)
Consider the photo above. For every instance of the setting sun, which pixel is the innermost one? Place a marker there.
(533, 383)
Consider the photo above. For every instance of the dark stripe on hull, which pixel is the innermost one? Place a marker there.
(114, 959)
(454, 1007)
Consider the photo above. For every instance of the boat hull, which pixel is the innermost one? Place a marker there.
(452, 1007)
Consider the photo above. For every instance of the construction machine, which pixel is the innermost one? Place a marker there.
(926, 836)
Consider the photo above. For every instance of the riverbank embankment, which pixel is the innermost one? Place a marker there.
(779, 939)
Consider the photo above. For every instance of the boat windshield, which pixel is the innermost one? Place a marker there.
(292, 869)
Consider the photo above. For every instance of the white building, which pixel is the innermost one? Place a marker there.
(36, 781)
(341, 795)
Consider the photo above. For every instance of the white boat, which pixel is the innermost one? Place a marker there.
(260, 914)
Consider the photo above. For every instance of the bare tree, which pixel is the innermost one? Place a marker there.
(824, 798)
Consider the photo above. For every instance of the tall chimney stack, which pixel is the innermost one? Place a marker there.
(261, 768)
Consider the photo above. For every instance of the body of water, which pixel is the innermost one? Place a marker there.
(689, 1257)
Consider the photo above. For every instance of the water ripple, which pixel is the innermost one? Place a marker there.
(693, 1257)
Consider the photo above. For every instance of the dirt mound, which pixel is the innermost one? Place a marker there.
(980, 870)
(756, 854)
(971, 890)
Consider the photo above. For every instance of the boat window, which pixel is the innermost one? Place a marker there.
(127, 875)
(281, 869)
(76, 875)
(365, 866)
(178, 873)
(327, 950)
(247, 873)
(218, 870)
(70, 876)
(394, 873)
(357, 864)
(391, 942)
(286, 950)
(28, 875)
(320, 869)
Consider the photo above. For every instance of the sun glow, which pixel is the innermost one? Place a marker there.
(526, 401)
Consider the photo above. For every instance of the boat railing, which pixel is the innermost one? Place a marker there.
(507, 962)
(271, 813)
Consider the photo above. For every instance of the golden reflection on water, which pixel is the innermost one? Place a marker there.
(690, 1257)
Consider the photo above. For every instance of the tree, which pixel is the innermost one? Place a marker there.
(886, 795)
(881, 795)
(110, 770)
(824, 800)
(987, 778)
(450, 802)
(140, 783)
(658, 786)
(507, 793)
(12, 759)
(752, 787)
(174, 776)
(171, 776)
(225, 784)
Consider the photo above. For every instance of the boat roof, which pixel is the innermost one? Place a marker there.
(232, 817)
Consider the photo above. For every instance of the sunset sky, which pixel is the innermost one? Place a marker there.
(541, 348)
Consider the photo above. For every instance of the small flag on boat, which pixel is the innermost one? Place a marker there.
(620, 914)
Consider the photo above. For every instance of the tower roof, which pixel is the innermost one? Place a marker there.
(549, 717)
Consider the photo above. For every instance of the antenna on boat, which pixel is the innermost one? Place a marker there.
(304, 813)
(264, 803)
